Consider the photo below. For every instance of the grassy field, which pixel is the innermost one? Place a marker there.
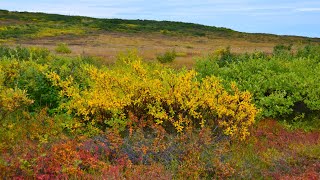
(105, 38)
(86, 98)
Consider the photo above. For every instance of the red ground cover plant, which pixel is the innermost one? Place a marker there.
(296, 154)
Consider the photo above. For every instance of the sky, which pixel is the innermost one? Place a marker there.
(283, 17)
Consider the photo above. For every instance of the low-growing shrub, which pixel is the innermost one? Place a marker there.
(63, 48)
(167, 57)
(309, 51)
(24, 53)
(280, 48)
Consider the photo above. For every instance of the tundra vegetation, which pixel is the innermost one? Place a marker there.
(231, 116)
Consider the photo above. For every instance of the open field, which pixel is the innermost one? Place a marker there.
(108, 45)
(94, 37)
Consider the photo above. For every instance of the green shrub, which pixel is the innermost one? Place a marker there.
(280, 47)
(220, 57)
(167, 57)
(63, 48)
(206, 67)
(283, 51)
(282, 86)
(23, 53)
(223, 56)
(26, 69)
(17, 31)
(310, 51)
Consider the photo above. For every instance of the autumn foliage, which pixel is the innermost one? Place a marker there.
(68, 118)
(176, 100)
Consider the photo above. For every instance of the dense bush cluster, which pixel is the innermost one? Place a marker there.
(67, 117)
(159, 95)
(282, 84)
(45, 99)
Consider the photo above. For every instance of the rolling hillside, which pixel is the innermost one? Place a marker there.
(36, 25)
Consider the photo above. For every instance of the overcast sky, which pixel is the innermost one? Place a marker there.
(273, 16)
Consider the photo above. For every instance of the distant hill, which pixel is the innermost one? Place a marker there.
(25, 25)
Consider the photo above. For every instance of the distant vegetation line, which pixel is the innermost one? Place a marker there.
(16, 25)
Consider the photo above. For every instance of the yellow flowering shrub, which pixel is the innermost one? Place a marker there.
(11, 99)
(173, 99)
